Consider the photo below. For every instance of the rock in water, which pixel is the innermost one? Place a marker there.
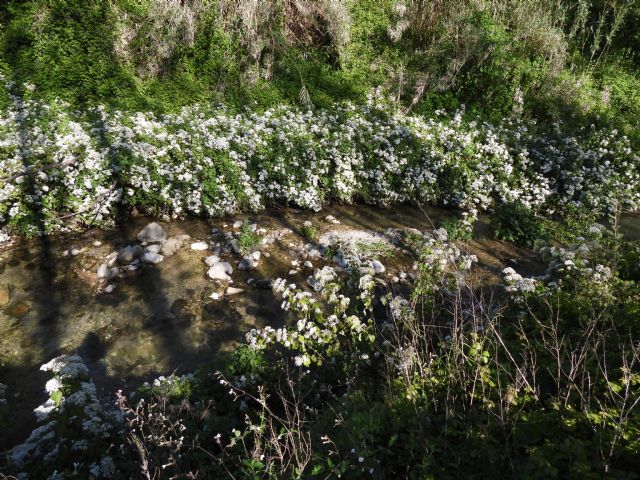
(154, 248)
(377, 266)
(218, 272)
(170, 247)
(152, 233)
(150, 257)
(199, 246)
(212, 260)
(244, 264)
(129, 254)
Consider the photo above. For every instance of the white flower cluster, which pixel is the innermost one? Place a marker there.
(316, 335)
(516, 283)
(61, 167)
(579, 259)
(73, 420)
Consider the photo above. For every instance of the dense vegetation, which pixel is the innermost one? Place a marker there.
(524, 109)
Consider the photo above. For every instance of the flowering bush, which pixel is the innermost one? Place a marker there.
(75, 431)
(62, 167)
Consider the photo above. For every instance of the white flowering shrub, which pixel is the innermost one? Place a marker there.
(75, 430)
(322, 333)
(62, 168)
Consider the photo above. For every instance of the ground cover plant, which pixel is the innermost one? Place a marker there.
(63, 168)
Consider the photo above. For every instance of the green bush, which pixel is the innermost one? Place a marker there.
(514, 223)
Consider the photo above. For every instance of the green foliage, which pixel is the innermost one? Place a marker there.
(514, 223)
(248, 239)
(310, 231)
(457, 229)
(546, 58)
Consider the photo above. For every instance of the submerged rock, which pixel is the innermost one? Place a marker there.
(150, 257)
(129, 254)
(152, 233)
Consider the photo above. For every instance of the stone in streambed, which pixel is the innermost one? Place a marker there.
(152, 233)
(377, 266)
(129, 254)
(218, 271)
(153, 258)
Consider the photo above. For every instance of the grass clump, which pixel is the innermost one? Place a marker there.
(248, 239)
(309, 230)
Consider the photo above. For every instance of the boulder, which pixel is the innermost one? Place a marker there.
(152, 233)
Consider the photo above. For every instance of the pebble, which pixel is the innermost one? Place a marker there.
(109, 288)
(256, 255)
(199, 246)
(76, 251)
(97, 243)
(234, 290)
(308, 264)
(395, 279)
(267, 254)
(214, 296)
(293, 272)
(313, 253)
(237, 224)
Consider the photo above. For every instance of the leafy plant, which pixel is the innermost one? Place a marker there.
(514, 223)
(248, 239)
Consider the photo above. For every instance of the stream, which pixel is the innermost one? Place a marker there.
(160, 318)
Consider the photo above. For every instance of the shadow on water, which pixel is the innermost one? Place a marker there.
(151, 291)
(47, 307)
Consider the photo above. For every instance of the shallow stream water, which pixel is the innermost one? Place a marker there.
(160, 318)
